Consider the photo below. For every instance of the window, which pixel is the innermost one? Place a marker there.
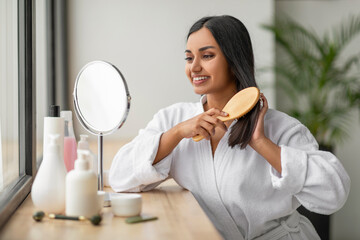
(20, 141)
(17, 103)
(9, 105)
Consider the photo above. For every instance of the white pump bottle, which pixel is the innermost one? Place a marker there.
(48, 190)
(81, 188)
(83, 144)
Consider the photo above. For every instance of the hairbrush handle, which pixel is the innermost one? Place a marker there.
(198, 138)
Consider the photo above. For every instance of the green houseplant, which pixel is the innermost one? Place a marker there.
(320, 84)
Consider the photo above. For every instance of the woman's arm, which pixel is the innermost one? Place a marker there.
(168, 141)
(203, 124)
(263, 145)
(270, 151)
(315, 178)
(133, 166)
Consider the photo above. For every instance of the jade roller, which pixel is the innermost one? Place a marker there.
(95, 220)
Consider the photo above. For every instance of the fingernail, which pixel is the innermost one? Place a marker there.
(224, 113)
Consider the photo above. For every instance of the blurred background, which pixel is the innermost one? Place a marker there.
(146, 41)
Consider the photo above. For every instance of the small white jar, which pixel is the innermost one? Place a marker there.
(126, 204)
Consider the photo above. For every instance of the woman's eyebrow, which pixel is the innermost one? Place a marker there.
(200, 49)
(204, 48)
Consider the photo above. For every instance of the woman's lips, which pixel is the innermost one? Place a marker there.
(200, 80)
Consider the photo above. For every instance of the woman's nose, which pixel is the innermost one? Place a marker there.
(196, 66)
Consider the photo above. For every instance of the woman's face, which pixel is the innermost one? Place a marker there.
(206, 66)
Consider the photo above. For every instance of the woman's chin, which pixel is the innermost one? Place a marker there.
(199, 91)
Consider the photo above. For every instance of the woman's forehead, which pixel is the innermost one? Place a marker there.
(200, 39)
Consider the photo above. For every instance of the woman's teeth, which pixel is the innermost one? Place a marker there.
(200, 78)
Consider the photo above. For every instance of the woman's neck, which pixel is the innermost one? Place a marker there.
(218, 100)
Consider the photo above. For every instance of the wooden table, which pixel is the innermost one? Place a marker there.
(180, 217)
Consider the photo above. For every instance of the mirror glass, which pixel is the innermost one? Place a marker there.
(101, 97)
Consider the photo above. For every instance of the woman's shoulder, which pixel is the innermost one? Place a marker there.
(277, 123)
(280, 128)
(280, 118)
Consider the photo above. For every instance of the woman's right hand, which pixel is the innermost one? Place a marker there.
(203, 124)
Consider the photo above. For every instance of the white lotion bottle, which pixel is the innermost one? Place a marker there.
(83, 144)
(48, 189)
(81, 188)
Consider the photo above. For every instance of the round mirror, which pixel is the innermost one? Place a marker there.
(102, 103)
(101, 98)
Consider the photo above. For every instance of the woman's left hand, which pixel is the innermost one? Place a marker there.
(263, 145)
(259, 134)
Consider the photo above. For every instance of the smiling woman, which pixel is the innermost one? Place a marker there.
(251, 173)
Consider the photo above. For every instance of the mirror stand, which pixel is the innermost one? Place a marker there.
(100, 162)
(107, 202)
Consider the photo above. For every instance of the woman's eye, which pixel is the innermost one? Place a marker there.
(188, 59)
(208, 56)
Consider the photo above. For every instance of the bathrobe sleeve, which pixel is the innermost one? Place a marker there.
(315, 178)
(132, 169)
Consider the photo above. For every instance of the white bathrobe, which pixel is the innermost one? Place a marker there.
(241, 193)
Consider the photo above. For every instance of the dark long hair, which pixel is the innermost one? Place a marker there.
(234, 41)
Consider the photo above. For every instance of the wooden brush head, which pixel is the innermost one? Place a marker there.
(241, 103)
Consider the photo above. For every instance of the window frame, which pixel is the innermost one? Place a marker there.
(14, 194)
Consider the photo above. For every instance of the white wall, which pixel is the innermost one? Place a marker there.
(146, 41)
(42, 110)
(321, 15)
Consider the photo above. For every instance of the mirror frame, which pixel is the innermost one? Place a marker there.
(81, 118)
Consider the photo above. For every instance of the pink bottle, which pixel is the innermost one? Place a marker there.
(70, 149)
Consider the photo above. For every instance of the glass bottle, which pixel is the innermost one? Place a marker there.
(70, 149)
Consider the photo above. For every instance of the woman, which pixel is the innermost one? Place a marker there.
(249, 175)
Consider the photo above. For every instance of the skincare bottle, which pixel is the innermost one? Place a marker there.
(54, 124)
(83, 144)
(48, 190)
(81, 188)
(69, 141)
